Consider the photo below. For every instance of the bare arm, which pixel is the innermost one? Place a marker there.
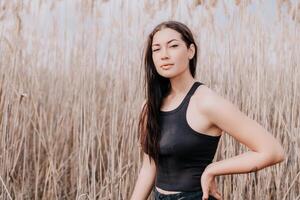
(146, 175)
(145, 179)
(265, 149)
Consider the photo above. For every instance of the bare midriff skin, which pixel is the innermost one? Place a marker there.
(166, 192)
(195, 119)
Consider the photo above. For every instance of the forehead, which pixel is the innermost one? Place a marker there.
(164, 35)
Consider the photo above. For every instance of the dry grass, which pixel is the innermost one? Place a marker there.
(71, 89)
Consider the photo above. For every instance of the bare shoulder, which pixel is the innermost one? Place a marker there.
(213, 105)
(228, 117)
(206, 98)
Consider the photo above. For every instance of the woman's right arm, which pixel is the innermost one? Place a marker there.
(146, 175)
(145, 179)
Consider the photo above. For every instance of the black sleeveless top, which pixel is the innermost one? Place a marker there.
(184, 152)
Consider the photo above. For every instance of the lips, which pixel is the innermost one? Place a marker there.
(167, 65)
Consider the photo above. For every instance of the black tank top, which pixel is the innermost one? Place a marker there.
(184, 152)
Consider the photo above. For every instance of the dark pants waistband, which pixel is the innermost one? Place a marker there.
(180, 196)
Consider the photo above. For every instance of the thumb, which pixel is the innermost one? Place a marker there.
(205, 195)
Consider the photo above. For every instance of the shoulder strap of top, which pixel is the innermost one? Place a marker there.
(185, 99)
(193, 88)
(191, 91)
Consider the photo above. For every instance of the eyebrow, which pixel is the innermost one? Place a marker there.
(167, 42)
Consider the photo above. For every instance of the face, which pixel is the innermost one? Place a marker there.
(169, 48)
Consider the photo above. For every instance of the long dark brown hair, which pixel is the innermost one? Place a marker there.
(156, 88)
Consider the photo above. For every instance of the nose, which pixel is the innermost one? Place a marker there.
(164, 54)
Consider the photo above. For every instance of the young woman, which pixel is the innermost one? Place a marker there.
(181, 123)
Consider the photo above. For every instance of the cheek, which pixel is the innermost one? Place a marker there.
(155, 59)
(180, 56)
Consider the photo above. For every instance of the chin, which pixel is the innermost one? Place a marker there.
(168, 75)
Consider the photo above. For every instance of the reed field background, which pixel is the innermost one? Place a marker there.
(71, 89)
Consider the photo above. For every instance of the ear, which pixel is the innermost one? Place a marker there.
(191, 51)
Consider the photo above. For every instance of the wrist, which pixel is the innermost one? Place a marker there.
(209, 170)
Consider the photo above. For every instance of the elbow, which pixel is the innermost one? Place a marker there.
(278, 155)
(281, 156)
(275, 156)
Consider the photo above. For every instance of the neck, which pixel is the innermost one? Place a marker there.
(182, 83)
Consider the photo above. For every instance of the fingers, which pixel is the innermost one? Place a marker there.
(205, 195)
(205, 191)
(216, 195)
(209, 187)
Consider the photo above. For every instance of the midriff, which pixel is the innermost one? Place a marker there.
(165, 191)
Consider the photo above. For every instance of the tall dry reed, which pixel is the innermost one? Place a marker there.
(71, 91)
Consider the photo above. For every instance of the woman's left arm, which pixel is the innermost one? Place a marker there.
(265, 150)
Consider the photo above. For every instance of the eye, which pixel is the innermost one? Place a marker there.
(175, 45)
(155, 50)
